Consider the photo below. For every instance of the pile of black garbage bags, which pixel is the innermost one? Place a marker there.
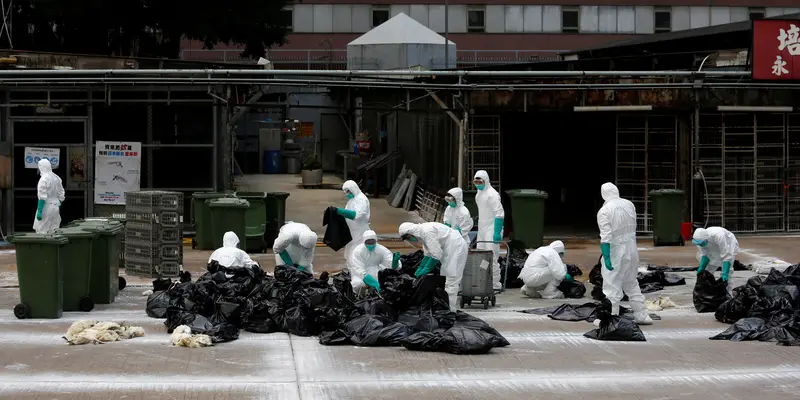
(408, 312)
(763, 309)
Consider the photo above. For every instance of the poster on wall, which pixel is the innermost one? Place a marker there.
(76, 158)
(117, 169)
(34, 154)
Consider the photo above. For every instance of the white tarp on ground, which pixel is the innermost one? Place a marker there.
(400, 43)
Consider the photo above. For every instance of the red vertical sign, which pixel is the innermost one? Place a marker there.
(776, 49)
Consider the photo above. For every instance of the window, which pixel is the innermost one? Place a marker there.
(570, 19)
(380, 14)
(757, 13)
(287, 17)
(663, 19)
(476, 19)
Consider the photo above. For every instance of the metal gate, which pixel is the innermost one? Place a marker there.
(647, 154)
(743, 158)
(483, 147)
(792, 181)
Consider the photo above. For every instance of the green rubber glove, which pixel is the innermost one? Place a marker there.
(395, 260)
(703, 264)
(458, 228)
(426, 266)
(349, 214)
(285, 257)
(498, 229)
(372, 282)
(605, 248)
(301, 268)
(59, 206)
(447, 225)
(726, 268)
(39, 208)
(569, 278)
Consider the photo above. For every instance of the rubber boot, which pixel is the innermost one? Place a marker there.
(640, 314)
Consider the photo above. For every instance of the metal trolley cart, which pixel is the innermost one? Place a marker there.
(476, 283)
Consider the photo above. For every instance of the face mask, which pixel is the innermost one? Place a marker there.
(412, 239)
(701, 243)
(480, 187)
(350, 196)
(453, 204)
(370, 247)
(561, 255)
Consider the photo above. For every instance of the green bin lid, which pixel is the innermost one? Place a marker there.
(280, 195)
(76, 233)
(540, 194)
(251, 195)
(210, 195)
(228, 202)
(110, 228)
(38, 238)
(666, 192)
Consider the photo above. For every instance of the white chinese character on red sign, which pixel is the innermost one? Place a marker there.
(778, 67)
(790, 39)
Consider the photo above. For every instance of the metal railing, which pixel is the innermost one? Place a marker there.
(337, 59)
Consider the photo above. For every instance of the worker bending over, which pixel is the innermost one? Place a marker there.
(295, 246)
(716, 247)
(456, 215)
(544, 270)
(230, 255)
(367, 259)
(441, 245)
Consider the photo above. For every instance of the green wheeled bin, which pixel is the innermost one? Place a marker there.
(40, 275)
(201, 216)
(102, 220)
(256, 217)
(527, 214)
(667, 211)
(276, 215)
(472, 206)
(76, 263)
(106, 282)
(227, 214)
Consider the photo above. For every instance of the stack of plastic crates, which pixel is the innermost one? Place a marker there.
(154, 233)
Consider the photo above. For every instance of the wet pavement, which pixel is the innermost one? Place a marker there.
(546, 360)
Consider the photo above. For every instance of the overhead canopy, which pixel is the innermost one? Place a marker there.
(400, 29)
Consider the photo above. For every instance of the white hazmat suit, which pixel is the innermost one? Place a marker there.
(617, 223)
(364, 261)
(447, 246)
(490, 213)
(359, 203)
(229, 255)
(458, 216)
(50, 193)
(721, 247)
(543, 272)
(299, 241)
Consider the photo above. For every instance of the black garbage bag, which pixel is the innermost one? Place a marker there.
(337, 233)
(665, 268)
(456, 340)
(650, 287)
(572, 289)
(737, 307)
(574, 270)
(660, 277)
(160, 284)
(368, 330)
(513, 264)
(409, 262)
(569, 312)
(709, 293)
(616, 328)
(157, 304)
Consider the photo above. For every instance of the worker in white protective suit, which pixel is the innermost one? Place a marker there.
(490, 221)
(229, 255)
(544, 270)
(295, 246)
(716, 247)
(456, 215)
(356, 213)
(367, 259)
(620, 261)
(441, 245)
(50, 193)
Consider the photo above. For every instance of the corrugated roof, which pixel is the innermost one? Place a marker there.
(400, 29)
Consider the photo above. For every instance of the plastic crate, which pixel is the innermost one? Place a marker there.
(165, 269)
(154, 201)
(154, 233)
(143, 252)
(167, 219)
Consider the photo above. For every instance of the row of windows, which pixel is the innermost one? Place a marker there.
(347, 18)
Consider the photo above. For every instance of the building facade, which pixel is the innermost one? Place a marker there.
(494, 31)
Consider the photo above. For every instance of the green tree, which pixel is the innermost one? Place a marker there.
(147, 28)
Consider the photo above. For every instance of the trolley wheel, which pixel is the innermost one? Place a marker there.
(461, 303)
(469, 300)
(494, 301)
(486, 303)
(86, 304)
(194, 244)
(22, 311)
(122, 283)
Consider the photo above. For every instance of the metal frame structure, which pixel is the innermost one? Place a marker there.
(747, 162)
(647, 159)
(483, 148)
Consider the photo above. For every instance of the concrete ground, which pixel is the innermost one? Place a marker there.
(546, 360)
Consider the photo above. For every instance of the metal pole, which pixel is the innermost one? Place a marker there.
(446, 29)
(462, 133)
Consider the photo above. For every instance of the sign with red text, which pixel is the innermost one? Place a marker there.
(776, 49)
